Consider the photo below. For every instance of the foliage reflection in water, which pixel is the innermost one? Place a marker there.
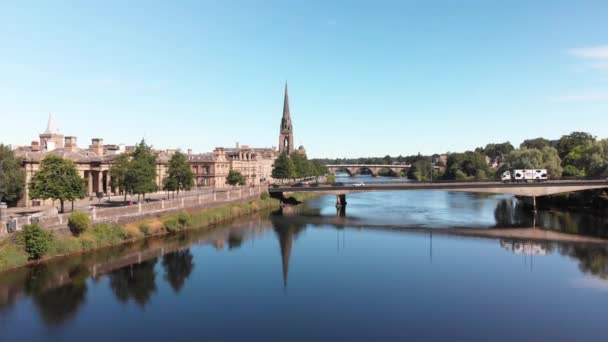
(263, 256)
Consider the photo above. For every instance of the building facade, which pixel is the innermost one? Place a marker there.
(210, 169)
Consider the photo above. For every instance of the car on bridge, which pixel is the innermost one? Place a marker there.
(359, 184)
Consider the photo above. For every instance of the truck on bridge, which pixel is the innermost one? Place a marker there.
(525, 176)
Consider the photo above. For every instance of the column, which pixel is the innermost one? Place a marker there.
(90, 183)
(99, 182)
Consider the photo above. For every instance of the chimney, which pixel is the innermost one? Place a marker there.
(237, 145)
(70, 144)
(96, 146)
(189, 151)
(35, 146)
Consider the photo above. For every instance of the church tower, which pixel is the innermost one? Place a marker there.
(51, 138)
(286, 136)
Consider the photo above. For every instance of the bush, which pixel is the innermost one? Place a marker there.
(144, 229)
(183, 219)
(78, 222)
(265, 195)
(171, 225)
(36, 240)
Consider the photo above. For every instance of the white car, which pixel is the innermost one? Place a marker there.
(358, 184)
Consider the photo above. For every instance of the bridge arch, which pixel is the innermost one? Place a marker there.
(388, 171)
(347, 170)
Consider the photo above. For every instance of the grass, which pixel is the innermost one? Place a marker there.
(12, 249)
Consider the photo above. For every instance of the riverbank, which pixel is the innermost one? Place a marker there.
(102, 235)
(13, 254)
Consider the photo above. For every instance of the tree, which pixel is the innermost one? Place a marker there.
(57, 179)
(567, 143)
(142, 170)
(283, 168)
(497, 152)
(180, 175)
(532, 158)
(12, 176)
(465, 165)
(118, 174)
(301, 165)
(537, 143)
(234, 177)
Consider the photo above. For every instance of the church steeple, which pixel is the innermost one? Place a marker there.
(286, 114)
(286, 134)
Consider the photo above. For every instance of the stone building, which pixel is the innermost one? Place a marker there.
(211, 169)
(93, 162)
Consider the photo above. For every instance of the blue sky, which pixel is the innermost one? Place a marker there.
(365, 77)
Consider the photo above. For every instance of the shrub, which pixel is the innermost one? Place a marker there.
(171, 225)
(36, 240)
(144, 228)
(183, 219)
(265, 195)
(78, 222)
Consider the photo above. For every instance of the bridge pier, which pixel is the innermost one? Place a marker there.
(341, 205)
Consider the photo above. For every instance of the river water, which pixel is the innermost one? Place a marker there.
(384, 271)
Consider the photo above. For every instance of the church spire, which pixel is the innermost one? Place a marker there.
(286, 133)
(51, 128)
(286, 114)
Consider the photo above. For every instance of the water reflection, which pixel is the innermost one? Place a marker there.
(178, 267)
(57, 301)
(137, 282)
(286, 232)
(59, 289)
(511, 212)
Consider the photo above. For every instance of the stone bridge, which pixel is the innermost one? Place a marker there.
(353, 169)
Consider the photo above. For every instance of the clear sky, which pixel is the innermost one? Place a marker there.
(365, 77)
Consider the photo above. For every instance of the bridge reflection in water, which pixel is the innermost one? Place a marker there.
(58, 289)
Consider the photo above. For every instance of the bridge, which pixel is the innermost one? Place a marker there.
(519, 189)
(353, 169)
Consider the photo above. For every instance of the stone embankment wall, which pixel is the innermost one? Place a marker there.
(124, 214)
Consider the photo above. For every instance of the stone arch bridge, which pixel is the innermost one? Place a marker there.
(354, 169)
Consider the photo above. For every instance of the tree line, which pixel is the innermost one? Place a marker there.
(297, 166)
(578, 155)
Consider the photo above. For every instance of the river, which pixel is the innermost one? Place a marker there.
(384, 271)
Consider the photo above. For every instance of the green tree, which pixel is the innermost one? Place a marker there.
(497, 152)
(567, 143)
(12, 176)
(532, 158)
(180, 175)
(467, 165)
(234, 177)
(537, 143)
(57, 179)
(119, 172)
(301, 165)
(283, 168)
(141, 174)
